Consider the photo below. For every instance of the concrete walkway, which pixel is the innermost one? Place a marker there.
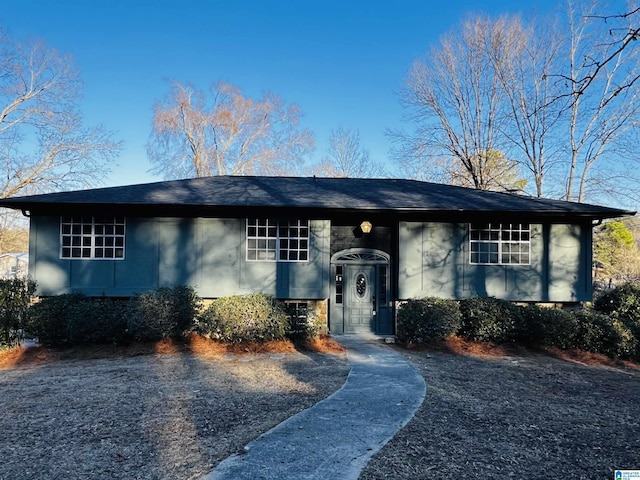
(335, 438)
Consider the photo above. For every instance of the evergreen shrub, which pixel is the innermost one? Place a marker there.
(15, 298)
(421, 320)
(490, 320)
(51, 316)
(551, 327)
(623, 303)
(244, 318)
(166, 312)
(605, 334)
(75, 319)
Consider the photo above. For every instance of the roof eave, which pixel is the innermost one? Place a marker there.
(156, 209)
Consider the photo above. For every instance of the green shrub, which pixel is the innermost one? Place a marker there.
(551, 327)
(97, 321)
(163, 313)
(490, 320)
(623, 303)
(15, 298)
(420, 320)
(601, 333)
(244, 318)
(75, 319)
(50, 318)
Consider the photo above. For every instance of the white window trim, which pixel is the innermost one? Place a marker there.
(501, 243)
(277, 240)
(92, 235)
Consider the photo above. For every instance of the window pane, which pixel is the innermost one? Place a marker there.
(88, 236)
(282, 240)
(499, 243)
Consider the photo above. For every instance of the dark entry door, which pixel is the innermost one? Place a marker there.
(360, 298)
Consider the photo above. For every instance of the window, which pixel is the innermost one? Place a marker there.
(272, 240)
(499, 243)
(92, 237)
(382, 295)
(339, 283)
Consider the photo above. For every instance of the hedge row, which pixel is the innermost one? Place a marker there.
(75, 319)
(611, 327)
(15, 298)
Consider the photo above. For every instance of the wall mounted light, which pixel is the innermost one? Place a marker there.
(366, 227)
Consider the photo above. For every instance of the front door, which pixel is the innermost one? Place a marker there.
(360, 298)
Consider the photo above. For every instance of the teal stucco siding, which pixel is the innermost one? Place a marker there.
(434, 261)
(205, 253)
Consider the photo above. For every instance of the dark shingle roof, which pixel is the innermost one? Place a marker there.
(335, 194)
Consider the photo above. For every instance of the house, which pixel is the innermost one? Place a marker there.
(350, 248)
(14, 265)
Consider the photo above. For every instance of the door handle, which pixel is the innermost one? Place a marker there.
(374, 303)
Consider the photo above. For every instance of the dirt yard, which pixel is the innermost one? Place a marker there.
(502, 415)
(175, 413)
(169, 415)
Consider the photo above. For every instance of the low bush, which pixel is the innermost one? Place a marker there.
(551, 327)
(605, 334)
(15, 298)
(163, 313)
(244, 318)
(623, 303)
(75, 319)
(420, 320)
(50, 318)
(490, 320)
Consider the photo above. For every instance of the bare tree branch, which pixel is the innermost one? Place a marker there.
(234, 135)
(43, 144)
(347, 158)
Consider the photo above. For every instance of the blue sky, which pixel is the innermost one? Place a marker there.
(341, 62)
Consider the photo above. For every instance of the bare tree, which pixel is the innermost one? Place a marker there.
(457, 102)
(233, 135)
(565, 106)
(500, 174)
(347, 158)
(43, 143)
(603, 99)
(524, 57)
